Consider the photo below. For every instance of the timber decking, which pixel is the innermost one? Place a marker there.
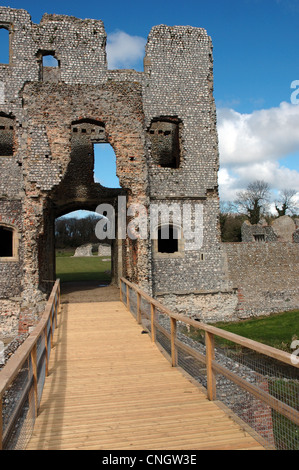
(110, 388)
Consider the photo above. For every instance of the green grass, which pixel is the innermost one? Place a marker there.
(277, 330)
(92, 268)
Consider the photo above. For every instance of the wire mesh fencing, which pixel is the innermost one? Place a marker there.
(259, 384)
(22, 380)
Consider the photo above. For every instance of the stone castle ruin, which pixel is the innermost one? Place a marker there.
(284, 229)
(161, 124)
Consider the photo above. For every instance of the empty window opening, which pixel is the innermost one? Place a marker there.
(168, 239)
(259, 238)
(105, 166)
(165, 142)
(49, 67)
(6, 136)
(6, 242)
(4, 41)
(50, 61)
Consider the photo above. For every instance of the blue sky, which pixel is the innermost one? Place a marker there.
(255, 61)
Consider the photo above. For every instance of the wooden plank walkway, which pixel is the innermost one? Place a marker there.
(110, 388)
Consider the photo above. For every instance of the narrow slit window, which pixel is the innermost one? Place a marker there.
(6, 242)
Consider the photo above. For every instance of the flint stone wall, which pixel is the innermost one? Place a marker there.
(84, 250)
(265, 276)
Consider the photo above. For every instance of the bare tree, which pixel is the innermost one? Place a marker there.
(253, 201)
(286, 202)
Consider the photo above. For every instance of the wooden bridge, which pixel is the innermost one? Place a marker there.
(109, 387)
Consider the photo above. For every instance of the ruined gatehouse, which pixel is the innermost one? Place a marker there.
(161, 124)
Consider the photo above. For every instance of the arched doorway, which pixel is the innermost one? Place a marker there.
(89, 118)
(83, 263)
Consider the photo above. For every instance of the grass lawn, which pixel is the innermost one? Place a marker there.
(277, 330)
(91, 268)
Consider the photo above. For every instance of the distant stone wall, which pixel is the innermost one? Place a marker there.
(265, 275)
(104, 250)
(282, 229)
(84, 250)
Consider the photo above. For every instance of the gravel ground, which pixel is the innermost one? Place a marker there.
(95, 291)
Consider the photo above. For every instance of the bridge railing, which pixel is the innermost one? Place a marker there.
(22, 379)
(258, 383)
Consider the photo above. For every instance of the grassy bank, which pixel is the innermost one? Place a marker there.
(277, 330)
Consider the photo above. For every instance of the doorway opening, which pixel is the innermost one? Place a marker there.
(79, 255)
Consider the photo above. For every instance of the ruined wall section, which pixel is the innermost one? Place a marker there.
(59, 177)
(177, 56)
(78, 45)
(178, 92)
(37, 176)
(265, 275)
(22, 65)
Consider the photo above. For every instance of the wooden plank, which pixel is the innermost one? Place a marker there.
(109, 387)
(210, 354)
(174, 355)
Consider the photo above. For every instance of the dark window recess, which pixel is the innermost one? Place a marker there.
(167, 239)
(6, 243)
(259, 238)
(165, 143)
(6, 136)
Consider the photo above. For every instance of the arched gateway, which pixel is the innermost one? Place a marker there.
(161, 124)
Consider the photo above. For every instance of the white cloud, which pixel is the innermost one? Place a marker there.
(251, 147)
(269, 134)
(123, 50)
